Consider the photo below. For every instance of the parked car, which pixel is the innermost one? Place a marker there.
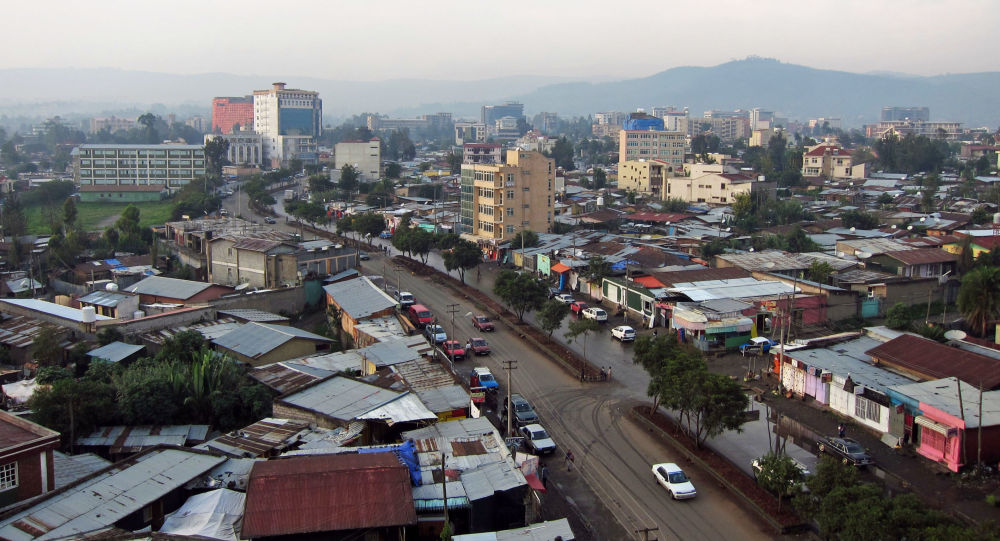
(482, 323)
(537, 440)
(419, 315)
(595, 313)
(363, 256)
(623, 333)
(385, 235)
(553, 292)
(435, 334)
(849, 451)
(674, 480)
(223, 212)
(482, 377)
(269, 220)
(454, 349)
(524, 414)
(757, 346)
(565, 298)
(405, 298)
(479, 346)
(578, 307)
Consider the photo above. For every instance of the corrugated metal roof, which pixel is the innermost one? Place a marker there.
(542, 531)
(249, 314)
(21, 285)
(104, 298)
(174, 288)
(51, 308)
(282, 378)
(20, 331)
(108, 497)
(740, 288)
(922, 256)
(935, 361)
(942, 394)
(115, 351)
(341, 398)
(850, 358)
(485, 481)
(407, 407)
(327, 493)
(209, 329)
(258, 439)
(359, 298)
(132, 439)
(256, 339)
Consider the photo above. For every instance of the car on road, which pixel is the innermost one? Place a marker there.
(454, 349)
(363, 256)
(482, 377)
(419, 315)
(405, 298)
(553, 292)
(479, 346)
(524, 414)
(483, 323)
(595, 313)
(227, 193)
(672, 477)
(223, 212)
(578, 307)
(565, 298)
(848, 450)
(537, 440)
(269, 220)
(435, 334)
(623, 333)
(385, 235)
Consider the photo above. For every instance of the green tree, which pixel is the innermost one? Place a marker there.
(369, 224)
(674, 204)
(215, 156)
(180, 347)
(148, 121)
(798, 241)
(454, 162)
(981, 215)
(859, 219)
(966, 258)
(350, 177)
(419, 243)
(69, 214)
(14, 219)
(979, 298)
(295, 165)
(45, 348)
(713, 248)
(779, 475)
(562, 153)
(600, 179)
(74, 408)
(898, 317)
(320, 183)
(108, 335)
(463, 256)
(524, 239)
(551, 315)
(598, 269)
(819, 271)
(584, 327)
(393, 170)
(522, 292)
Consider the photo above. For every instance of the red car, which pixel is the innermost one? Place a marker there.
(478, 346)
(482, 323)
(454, 349)
(578, 307)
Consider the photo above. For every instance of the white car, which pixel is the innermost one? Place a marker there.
(537, 439)
(623, 333)
(595, 313)
(565, 298)
(673, 479)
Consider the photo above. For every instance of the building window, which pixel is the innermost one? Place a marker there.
(510, 194)
(510, 211)
(866, 409)
(510, 229)
(8, 476)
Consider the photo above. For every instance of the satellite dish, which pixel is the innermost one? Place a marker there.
(955, 334)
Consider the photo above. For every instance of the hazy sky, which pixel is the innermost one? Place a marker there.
(477, 39)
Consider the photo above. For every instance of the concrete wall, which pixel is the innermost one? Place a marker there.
(166, 320)
(289, 299)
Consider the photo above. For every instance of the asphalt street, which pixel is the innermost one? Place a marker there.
(611, 485)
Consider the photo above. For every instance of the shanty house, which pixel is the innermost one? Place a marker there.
(259, 344)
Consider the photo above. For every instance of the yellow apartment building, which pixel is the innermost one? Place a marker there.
(499, 200)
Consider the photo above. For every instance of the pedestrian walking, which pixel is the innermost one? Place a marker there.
(841, 431)
(609, 373)
(570, 459)
(544, 474)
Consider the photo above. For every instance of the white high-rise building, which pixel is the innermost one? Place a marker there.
(290, 121)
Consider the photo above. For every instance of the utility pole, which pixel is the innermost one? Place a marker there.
(646, 531)
(453, 309)
(508, 366)
(444, 488)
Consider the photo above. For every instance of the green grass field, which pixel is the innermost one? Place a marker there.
(96, 216)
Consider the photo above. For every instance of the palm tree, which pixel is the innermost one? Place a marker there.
(979, 298)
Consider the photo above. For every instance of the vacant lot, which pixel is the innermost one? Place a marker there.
(96, 216)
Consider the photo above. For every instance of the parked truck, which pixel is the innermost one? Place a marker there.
(289, 195)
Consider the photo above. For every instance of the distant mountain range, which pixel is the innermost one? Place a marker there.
(797, 92)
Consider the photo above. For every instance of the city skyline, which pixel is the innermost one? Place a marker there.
(453, 40)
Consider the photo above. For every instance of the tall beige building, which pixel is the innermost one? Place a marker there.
(666, 146)
(366, 156)
(499, 200)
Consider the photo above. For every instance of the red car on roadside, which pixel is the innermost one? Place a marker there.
(578, 307)
(454, 349)
(478, 346)
(482, 323)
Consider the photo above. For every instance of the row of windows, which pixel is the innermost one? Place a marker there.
(140, 173)
(95, 153)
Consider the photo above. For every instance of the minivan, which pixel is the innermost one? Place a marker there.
(419, 315)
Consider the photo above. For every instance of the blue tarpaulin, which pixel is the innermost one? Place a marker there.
(113, 262)
(407, 454)
(621, 264)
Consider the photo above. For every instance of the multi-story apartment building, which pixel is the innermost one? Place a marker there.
(645, 177)
(135, 172)
(828, 161)
(653, 144)
(365, 156)
(231, 114)
(673, 119)
(470, 132)
(436, 122)
(547, 123)
(245, 147)
(499, 200)
(761, 119)
(935, 130)
(289, 120)
(506, 128)
(712, 184)
(111, 123)
(481, 153)
(919, 114)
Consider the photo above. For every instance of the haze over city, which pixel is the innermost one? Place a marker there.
(583, 40)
